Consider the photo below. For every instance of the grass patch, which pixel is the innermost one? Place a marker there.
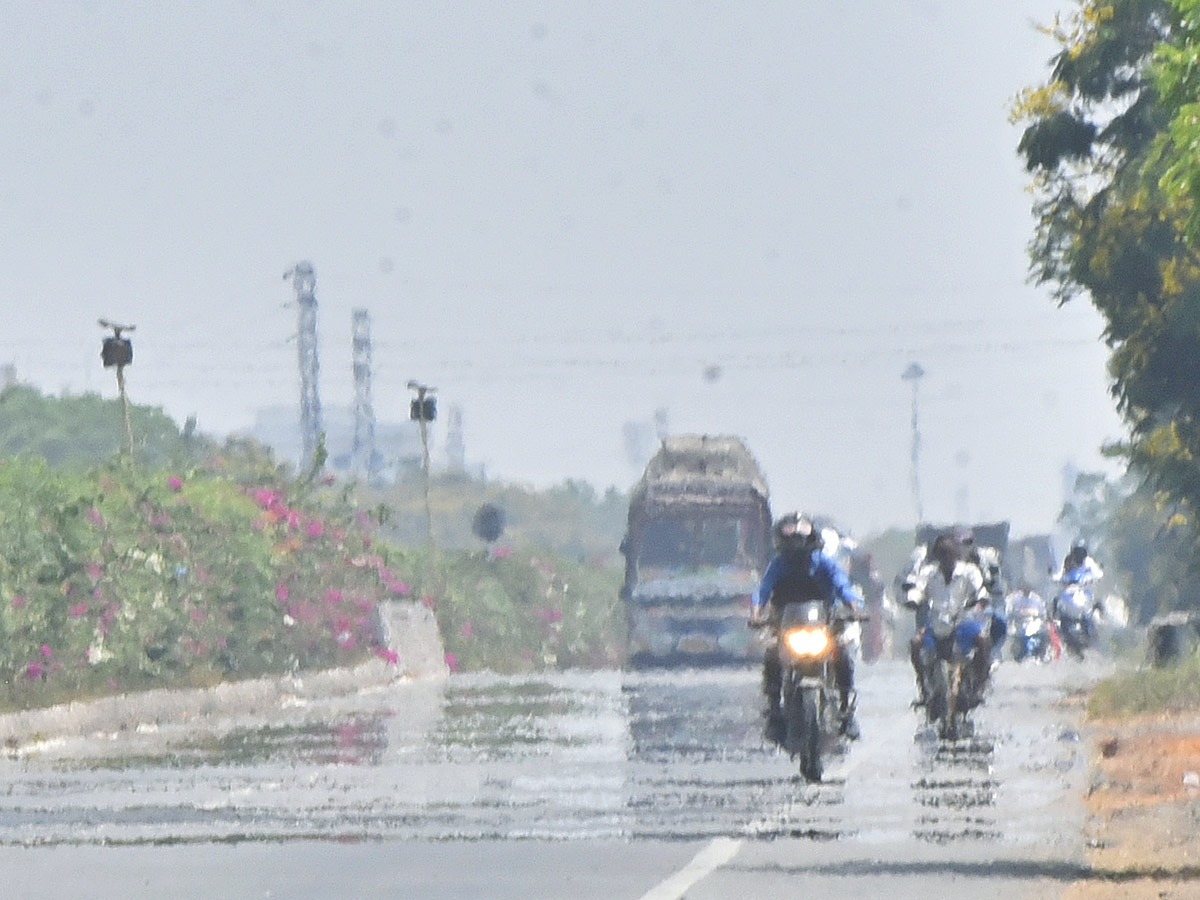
(1171, 689)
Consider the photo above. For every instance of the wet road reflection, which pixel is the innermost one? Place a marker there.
(676, 755)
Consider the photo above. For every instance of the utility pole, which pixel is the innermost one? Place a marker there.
(117, 352)
(305, 282)
(422, 410)
(914, 373)
(363, 453)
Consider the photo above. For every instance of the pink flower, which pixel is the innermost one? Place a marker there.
(95, 571)
(18, 601)
(175, 483)
(387, 655)
(315, 528)
(333, 595)
(281, 592)
(396, 586)
(452, 662)
(94, 516)
(34, 671)
(467, 629)
(266, 498)
(79, 609)
(501, 552)
(46, 651)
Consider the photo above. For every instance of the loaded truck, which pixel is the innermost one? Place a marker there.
(697, 542)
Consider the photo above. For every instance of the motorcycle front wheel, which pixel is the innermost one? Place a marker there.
(936, 694)
(804, 731)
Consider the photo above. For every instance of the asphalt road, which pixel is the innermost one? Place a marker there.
(648, 785)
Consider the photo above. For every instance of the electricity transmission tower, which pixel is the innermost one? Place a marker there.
(363, 453)
(305, 283)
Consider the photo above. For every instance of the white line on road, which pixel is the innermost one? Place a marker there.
(718, 852)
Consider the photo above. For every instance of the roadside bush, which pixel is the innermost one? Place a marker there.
(120, 580)
(522, 610)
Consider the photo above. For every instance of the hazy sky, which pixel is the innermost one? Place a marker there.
(562, 215)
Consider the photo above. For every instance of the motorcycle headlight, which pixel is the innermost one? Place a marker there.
(807, 641)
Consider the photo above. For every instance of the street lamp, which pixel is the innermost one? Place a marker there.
(914, 373)
(117, 352)
(423, 409)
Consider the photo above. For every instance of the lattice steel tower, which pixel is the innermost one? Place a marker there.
(363, 454)
(305, 283)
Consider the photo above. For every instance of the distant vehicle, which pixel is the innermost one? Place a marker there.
(697, 542)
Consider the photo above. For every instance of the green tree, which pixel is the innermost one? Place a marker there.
(1108, 226)
(1176, 74)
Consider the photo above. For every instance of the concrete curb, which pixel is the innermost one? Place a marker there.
(408, 628)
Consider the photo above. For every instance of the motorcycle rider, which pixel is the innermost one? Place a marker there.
(1078, 558)
(947, 580)
(801, 570)
(1079, 567)
(988, 560)
(1026, 603)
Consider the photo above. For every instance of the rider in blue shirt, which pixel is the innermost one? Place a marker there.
(801, 570)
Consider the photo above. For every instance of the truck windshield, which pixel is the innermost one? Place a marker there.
(694, 543)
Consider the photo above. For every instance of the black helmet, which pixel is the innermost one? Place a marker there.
(945, 546)
(795, 531)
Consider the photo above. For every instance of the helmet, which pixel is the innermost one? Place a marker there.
(945, 546)
(795, 531)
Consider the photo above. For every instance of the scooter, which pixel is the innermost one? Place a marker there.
(1074, 611)
(1033, 635)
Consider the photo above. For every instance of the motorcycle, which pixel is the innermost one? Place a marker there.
(1032, 635)
(948, 671)
(809, 635)
(1074, 609)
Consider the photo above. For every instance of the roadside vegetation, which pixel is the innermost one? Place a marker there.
(192, 562)
(1110, 142)
(1174, 689)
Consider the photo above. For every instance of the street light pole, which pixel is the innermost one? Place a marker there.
(117, 351)
(423, 409)
(914, 373)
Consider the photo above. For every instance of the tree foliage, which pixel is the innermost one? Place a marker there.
(1112, 219)
(84, 429)
(1176, 74)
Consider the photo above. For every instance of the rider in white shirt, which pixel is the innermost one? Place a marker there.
(940, 590)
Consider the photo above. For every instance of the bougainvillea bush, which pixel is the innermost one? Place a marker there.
(523, 610)
(125, 578)
(121, 579)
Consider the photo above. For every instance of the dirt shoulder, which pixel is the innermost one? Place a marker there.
(1143, 810)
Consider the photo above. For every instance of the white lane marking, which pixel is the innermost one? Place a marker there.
(718, 852)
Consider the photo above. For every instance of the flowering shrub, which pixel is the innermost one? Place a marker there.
(118, 580)
(122, 579)
(522, 610)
